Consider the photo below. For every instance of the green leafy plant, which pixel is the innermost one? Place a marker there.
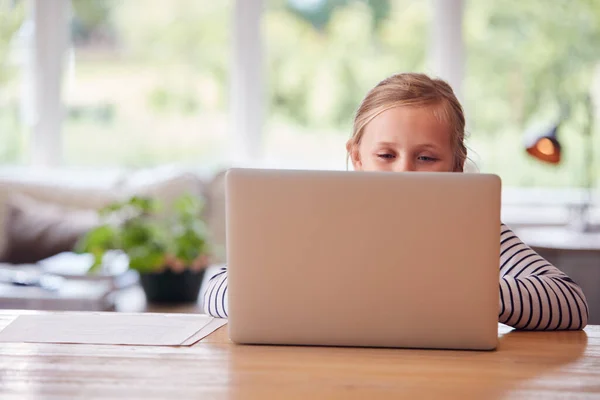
(151, 242)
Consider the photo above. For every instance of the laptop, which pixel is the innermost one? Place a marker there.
(369, 259)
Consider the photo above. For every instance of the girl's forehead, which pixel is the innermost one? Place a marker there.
(402, 122)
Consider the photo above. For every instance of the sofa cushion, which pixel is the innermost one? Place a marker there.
(35, 230)
(4, 190)
(66, 194)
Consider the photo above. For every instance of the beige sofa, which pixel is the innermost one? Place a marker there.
(43, 211)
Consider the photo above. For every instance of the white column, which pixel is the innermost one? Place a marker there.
(50, 44)
(247, 102)
(447, 51)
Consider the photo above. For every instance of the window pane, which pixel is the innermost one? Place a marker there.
(12, 58)
(322, 57)
(149, 83)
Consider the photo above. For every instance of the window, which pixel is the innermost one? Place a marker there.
(151, 81)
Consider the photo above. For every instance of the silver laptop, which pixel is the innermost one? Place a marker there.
(363, 258)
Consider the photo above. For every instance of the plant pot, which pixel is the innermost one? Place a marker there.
(172, 287)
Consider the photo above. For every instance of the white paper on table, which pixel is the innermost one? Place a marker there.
(209, 328)
(110, 328)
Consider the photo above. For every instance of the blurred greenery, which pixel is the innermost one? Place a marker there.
(11, 17)
(190, 33)
(319, 13)
(167, 77)
(92, 17)
(317, 76)
(529, 58)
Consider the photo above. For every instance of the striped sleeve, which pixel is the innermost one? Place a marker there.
(534, 294)
(215, 295)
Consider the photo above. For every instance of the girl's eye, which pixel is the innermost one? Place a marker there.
(385, 156)
(427, 158)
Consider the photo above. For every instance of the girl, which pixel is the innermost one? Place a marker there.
(410, 122)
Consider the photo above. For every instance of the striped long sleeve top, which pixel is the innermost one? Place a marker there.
(534, 294)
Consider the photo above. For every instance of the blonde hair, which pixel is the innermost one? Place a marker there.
(414, 90)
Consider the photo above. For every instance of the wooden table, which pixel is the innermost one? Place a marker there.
(526, 364)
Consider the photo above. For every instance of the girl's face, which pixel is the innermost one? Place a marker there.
(404, 139)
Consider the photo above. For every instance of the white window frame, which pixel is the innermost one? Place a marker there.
(49, 43)
(247, 91)
(447, 47)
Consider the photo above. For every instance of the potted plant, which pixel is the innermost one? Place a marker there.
(169, 252)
